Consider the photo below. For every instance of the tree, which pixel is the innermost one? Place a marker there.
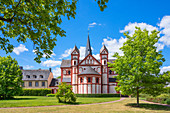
(138, 69)
(37, 20)
(10, 78)
(65, 94)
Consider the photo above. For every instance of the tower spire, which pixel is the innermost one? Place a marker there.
(88, 47)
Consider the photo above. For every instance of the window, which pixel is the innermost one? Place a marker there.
(110, 72)
(97, 80)
(89, 80)
(41, 76)
(43, 83)
(34, 76)
(74, 62)
(69, 72)
(28, 76)
(105, 62)
(81, 80)
(36, 84)
(30, 84)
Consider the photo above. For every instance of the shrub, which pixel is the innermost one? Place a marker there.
(35, 92)
(167, 90)
(65, 94)
(168, 101)
(51, 95)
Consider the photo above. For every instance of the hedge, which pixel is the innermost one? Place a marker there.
(35, 92)
(90, 95)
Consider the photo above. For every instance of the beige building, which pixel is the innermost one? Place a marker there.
(38, 78)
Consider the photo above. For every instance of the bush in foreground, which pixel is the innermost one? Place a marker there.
(10, 78)
(65, 93)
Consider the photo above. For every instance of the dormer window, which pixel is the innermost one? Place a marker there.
(41, 76)
(34, 76)
(28, 76)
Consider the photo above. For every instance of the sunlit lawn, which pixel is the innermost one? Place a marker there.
(124, 106)
(24, 101)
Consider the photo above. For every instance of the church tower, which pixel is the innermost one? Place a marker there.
(105, 77)
(74, 65)
(88, 47)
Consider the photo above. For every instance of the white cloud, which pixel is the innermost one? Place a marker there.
(51, 63)
(113, 45)
(165, 26)
(97, 56)
(165, 69)
(93, 24)
(82, 52)
(57, 72)
(28, 67)
(131, 27)
(21, 48)
(159, 46)
(66, 53)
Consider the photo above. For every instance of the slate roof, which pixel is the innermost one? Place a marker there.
(104, 47)
(66, 80)
(111, 60)
(66, 63)
(88, 47)
(75, 48)
(36, 72)
(112, 79)
(89, 70)
(53, 82)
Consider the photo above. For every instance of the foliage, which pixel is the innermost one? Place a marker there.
(36, 20)
(51, 95)
(65, 94)
(89, 95)
(58, 77)
(167, 90)
(10, 78)
(138, 69)
(35, 92)
(168, 101)
(163, 98)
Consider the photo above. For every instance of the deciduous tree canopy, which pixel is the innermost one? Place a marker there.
(10, 78)
(138, 69)
(37, 20)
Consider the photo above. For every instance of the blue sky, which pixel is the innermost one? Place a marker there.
(105, 27)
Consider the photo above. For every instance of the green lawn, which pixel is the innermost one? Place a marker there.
(124, 106)
(23, 101)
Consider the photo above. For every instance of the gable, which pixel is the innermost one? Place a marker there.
(104, 52)
(74, 52)
(89, 60)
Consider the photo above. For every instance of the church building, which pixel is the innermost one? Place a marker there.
(89, 75)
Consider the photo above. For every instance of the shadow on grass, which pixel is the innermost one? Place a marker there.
(23, 99)
(149, 106)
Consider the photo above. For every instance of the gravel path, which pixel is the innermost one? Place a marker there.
(64, 105)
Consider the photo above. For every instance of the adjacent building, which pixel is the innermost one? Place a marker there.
(89, 75)
(37, 78)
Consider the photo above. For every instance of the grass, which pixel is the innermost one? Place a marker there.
(28, 101)
(124, 106)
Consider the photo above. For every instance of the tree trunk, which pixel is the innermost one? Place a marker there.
(137, 96)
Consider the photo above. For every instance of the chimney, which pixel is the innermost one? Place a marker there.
(21, 67)
(50, 69)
